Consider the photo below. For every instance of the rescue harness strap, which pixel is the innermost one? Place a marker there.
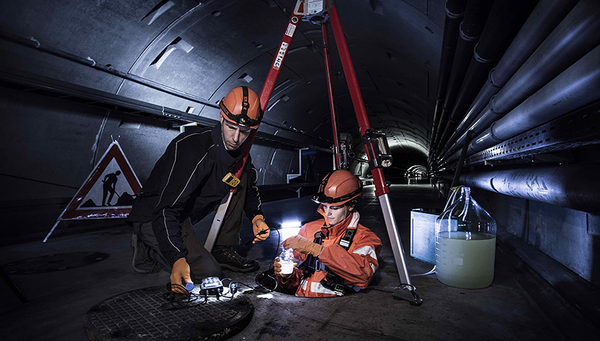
(331, 280)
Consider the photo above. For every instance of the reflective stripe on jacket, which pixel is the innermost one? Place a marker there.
(186, 182)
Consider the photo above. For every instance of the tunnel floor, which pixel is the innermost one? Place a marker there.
(58, 300)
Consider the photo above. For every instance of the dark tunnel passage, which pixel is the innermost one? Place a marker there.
(500, 96)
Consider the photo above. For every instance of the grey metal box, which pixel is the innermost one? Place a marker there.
(422, 234)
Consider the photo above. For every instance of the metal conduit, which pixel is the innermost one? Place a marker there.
(575, 87)
(576, 35)
(542, 21)
(455, 10)
(502, 24)
(571, 186)
(476, 13)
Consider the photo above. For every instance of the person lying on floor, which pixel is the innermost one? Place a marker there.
(338, 254)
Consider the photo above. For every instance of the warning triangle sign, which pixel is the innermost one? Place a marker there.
(109, 190)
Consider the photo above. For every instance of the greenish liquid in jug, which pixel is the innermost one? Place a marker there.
(465, 259)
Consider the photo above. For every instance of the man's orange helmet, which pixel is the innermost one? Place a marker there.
(241, 106)
(337, 188)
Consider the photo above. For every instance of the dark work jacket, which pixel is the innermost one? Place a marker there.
(186, 182)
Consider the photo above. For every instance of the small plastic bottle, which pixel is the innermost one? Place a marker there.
(286, 259)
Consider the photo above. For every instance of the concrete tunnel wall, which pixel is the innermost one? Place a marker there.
(569, 236)
(50, 147)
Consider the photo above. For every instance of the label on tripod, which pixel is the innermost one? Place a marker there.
(290, 30)
(280, 55)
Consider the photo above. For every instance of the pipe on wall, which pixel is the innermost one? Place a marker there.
(569, 186)
(544, 18)
(455, 10)
(575, 36)
(502, 24)
(575, 87)
(471, 27)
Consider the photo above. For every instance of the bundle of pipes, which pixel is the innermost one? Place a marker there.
(470, 30)
(562, 74)
(543, 20)
(500, 28)
(455, 10)
(551, 68)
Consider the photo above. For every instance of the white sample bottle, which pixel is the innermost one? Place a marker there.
(286, 259)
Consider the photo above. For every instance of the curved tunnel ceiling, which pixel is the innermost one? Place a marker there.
(204, 48)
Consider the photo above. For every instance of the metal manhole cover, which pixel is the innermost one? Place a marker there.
(137, 315)
(54, 262)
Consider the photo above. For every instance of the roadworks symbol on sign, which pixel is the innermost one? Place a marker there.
(109, 190)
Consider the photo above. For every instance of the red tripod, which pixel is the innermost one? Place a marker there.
(375, 143)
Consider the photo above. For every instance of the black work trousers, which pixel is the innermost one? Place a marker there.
(202, 263)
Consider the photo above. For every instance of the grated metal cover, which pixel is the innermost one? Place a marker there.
(137, 315)
(54, 262)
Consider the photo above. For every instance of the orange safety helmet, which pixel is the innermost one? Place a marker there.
(337, 188)
(241, 106)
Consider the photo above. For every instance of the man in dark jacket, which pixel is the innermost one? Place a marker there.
(187, 183)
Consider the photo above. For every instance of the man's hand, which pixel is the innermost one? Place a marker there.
(277, 268)
(181, 269)
(302, 245)
(260, 228)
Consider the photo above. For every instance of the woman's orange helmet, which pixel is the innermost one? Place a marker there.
(337, 188)
(241, 106)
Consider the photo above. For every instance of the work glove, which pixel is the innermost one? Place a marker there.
(181, 269)
(277, 268)
(260, 228)
(302, 245)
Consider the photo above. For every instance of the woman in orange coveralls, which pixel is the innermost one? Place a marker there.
(338, 254)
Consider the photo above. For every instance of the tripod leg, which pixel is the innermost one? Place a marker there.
(381, 190)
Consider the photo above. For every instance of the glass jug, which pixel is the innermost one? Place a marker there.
(465, 243)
